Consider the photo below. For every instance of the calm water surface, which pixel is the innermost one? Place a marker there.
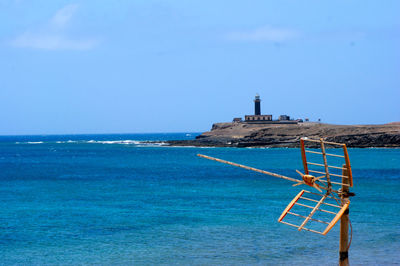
(112, 199)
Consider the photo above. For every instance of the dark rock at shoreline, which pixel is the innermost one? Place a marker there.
(286, 135)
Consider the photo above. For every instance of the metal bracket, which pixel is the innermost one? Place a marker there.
(346, 194)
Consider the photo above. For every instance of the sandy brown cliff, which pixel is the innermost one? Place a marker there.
(288, 135)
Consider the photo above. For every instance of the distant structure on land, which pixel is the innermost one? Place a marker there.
(258, 118)
(257, 105)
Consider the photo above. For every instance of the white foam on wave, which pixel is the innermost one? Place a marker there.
(133, 142)
(68, 141)
(138, 143)
(127, 142)
(115, 141)
(153, 144)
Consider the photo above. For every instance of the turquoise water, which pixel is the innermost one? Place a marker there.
(112, 199)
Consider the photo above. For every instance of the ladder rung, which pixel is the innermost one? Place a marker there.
(304, 205)
(301, 228)
(322, 202)
(316, 152)
(319, 172)
(331, 166)
(326, 142)
(337, 175)
(329, 154)
(307, 229)
(307, 206)
(312, 219)
(334, 155)
(290, 224)
(336, 183)
(318, 194)
(327, 211)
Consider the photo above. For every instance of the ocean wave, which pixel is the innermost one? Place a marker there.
(142, 143)
(115, 141)
(124, 142)
(127, 142)
(66, 141)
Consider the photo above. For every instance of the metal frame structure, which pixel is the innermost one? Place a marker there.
(319, 211)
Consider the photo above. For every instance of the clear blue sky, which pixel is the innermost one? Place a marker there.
(175, 66)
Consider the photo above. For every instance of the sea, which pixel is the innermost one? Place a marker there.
(120, 200)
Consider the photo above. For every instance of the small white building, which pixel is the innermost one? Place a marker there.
(251, 118)
(284, 118)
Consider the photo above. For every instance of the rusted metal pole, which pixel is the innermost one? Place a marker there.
(344, 223)
(250, 168)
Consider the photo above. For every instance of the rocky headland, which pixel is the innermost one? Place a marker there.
(241, 134)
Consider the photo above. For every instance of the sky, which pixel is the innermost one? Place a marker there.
(130, 66)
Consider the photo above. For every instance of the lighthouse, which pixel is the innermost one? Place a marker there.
(257, 105)
(258, 118)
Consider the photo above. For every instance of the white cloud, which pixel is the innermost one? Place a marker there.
(52, 42)
(63, 15)
(53, 36)
(266, 33)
